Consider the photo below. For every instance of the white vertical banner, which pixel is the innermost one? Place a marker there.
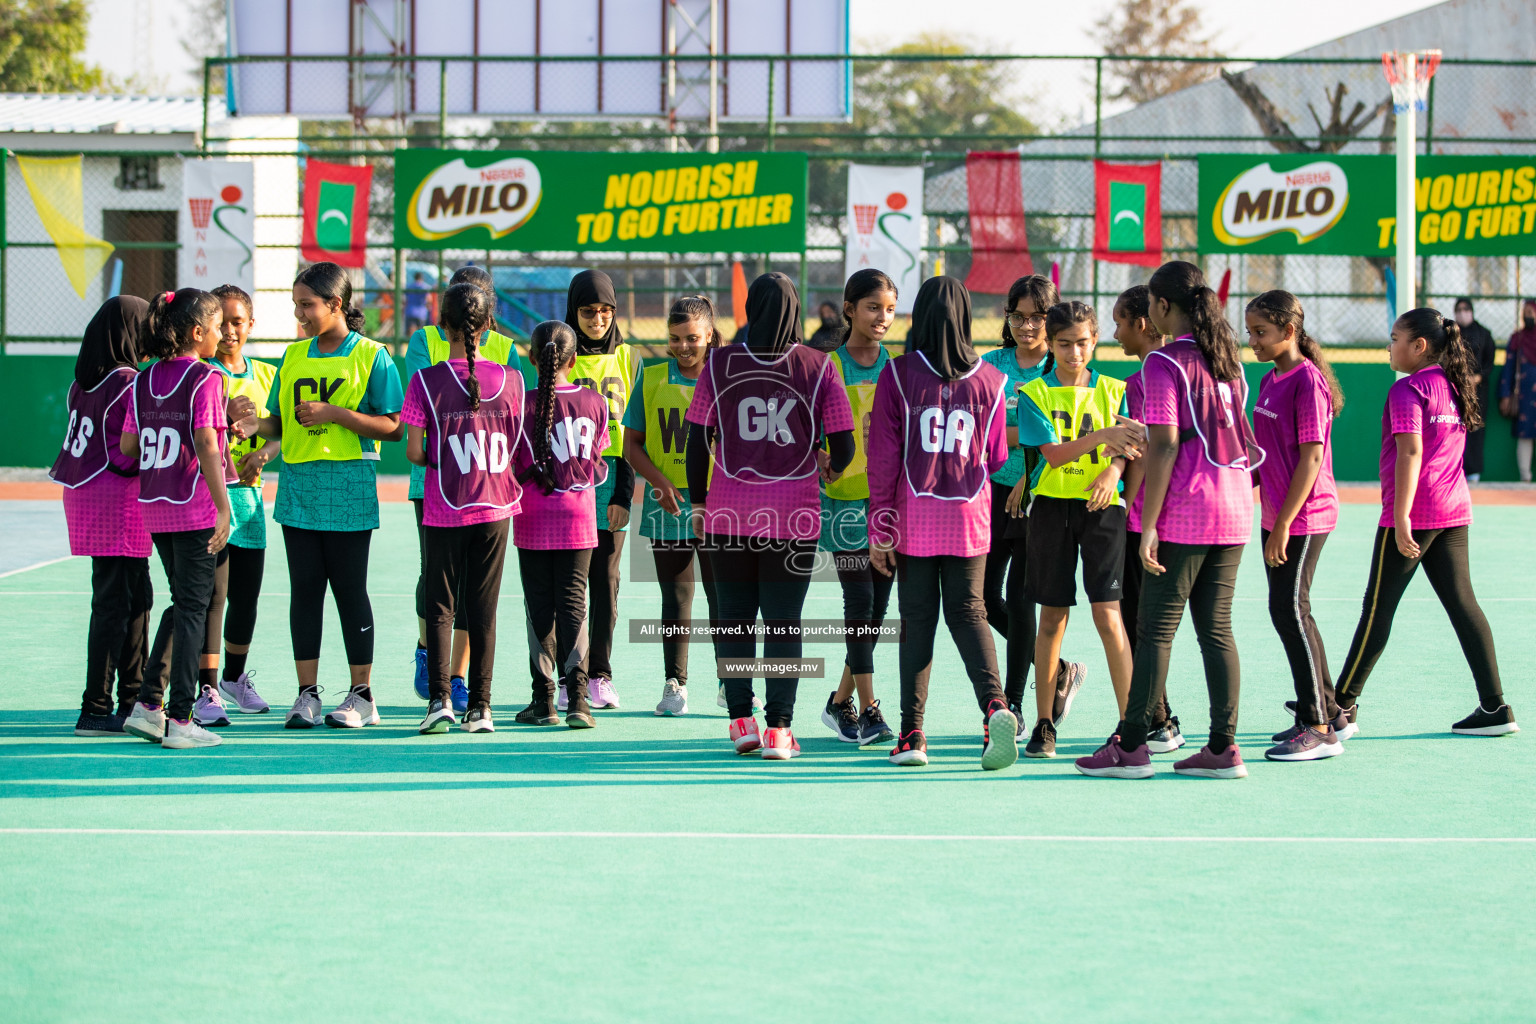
(218, 224)
(885, 226)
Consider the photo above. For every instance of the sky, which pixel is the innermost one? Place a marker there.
(1243, 28)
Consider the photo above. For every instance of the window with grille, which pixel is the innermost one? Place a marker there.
(139, 174)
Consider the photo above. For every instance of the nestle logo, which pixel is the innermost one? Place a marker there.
(1314, 178)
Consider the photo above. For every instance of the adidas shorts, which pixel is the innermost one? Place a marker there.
(1061, 530)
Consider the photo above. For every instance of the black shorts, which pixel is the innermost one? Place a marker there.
(1060, 528)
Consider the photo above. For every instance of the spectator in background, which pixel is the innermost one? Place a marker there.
(1481, 348)
(1517, 388)
(829, 336)
(416, 296)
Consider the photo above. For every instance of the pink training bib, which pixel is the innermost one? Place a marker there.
(472, 449)
(944, 451)
(765, 412)
(1216, 408)
(168, 467)
(85, 454)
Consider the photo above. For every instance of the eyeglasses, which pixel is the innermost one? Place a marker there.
(1036, 320)
(593, 312)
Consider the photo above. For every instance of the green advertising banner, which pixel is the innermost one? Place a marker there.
(653, 202)
(1343, 205)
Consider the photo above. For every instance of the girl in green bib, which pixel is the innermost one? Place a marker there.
(869, 309)
(335, 396)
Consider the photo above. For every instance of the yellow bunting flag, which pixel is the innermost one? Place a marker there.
(57, 192)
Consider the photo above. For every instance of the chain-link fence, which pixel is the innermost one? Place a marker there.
(906, 109)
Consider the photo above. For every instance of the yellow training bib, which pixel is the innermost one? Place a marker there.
(337, 380)
(256, 386)
(1075, 411)
(495, 347)
(610, 374)
(854, 482)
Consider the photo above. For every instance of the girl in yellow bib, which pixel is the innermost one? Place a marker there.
(656, 445)
(335, 396)
(869, 308)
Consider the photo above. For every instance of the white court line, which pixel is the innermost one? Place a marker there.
(792, 836)
(39, 565)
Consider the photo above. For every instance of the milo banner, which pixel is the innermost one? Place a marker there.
(651, 202)
(1344, 205)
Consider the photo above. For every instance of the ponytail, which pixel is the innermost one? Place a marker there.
(1283, 309)
(695, 307)
(467, 312)
(1449, 350)
(331, 283)
(1136, 303)
(552, 345)
(1182, 285)
(172, 315)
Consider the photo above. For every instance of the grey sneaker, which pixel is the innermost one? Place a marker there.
(242, 694)
(1166, 738)
(306, 711)
(1344, 723)
(1070, 676)
(757, 702)
(187, 735)
(147, 723)
(1307, 745)
(674, 699)
(439, 718)
(354, 712)
(478, 719)
(208, 709)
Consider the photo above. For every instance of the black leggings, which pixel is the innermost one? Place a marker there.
(247, 566)
(674, 571)
(604, 583)
(923, 582)
(117, 641)
(463, 576)
(770, 576)
(1130, 610)
(866, 596)
(1008, 610)
(555, 600)
(1443, 553)
(460, 621)
(1290, 609)
(174, 655)
(338, 558)
(1204, 577)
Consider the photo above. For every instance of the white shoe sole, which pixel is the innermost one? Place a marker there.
(344, 723)
(748, 744)
(668, 713)
(1003, 741)
(910, 759)
(434, 727)
(1159, 747)
(831, 723)
(216, 723)
(143, 731)
(1488, 730)
(233, 702)
(1240, 772)
(1071, 694)
(187, 743)
(1321, 753)
(480, 727)
(779, 753)
(1044, 755)
(1144, 772)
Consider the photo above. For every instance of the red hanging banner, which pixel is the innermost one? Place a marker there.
(1128, 213)
(999, 245)
(335, 212)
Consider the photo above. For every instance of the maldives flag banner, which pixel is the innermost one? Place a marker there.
(999, 245)
(335, 212)
(1128, 213)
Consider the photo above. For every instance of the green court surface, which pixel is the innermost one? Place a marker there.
(640, 871)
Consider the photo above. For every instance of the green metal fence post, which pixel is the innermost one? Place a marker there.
(5, 248)
(1098, 139)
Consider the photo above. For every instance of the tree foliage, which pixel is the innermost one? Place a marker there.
(40, 46)
(1154, 28)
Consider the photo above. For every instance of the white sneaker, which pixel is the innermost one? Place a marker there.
(354, 712)
(439, 718)
(478, 720)
(674, 699)
(242, 694)
(146, 723)
(208, 709)
(187, 735)
(601, 694)
(306, 710)
(757, 702)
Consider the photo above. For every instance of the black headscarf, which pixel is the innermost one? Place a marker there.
(941, 327)
(773, 315)
(111, 339)
(593, 288)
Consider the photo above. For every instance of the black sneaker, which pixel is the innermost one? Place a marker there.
(841, 718)
(1018, 712)
(1343, 723)
(1166, 738)
(1070, 676)
(439, 718)
(578, 713)
(1042, 742)
(999, 737)
(1498, 722)
(873, 731)
(478, 719)
(911, 749)
(92, 724)
(540, 712)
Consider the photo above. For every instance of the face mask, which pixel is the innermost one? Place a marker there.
(1464, 317)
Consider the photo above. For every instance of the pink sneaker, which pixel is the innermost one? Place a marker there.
(780, 745)
(1226, 765)
(744, 735)
(1111, 761)
(601, 693)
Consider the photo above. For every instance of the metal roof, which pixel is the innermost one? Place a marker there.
(86, 113)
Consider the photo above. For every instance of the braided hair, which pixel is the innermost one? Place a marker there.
(695, 307)
(1447, 347)
(331, 283)
(861, 285)
(467, 312)
(172, 315)
(1283, 309)
(1182, 286)
(552, 345)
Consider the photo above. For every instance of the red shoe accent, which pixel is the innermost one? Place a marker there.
(744, 735)
(780, 745)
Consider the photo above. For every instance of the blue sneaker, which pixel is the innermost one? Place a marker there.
(423, 689)
(460, 695)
